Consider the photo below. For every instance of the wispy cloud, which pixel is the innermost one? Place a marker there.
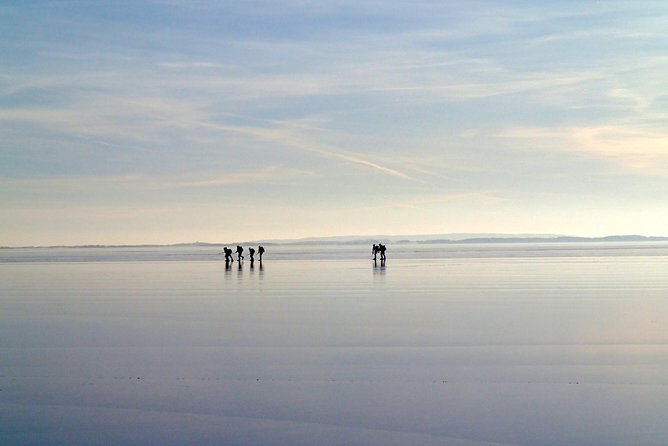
(643, 150)
(191, 180)
(513, 84)
(426, 201)
(190, 64)
(266, 175)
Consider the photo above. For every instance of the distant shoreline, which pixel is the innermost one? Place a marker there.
(356, 240)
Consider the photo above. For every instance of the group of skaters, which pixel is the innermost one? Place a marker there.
(379, 249)
(240, 254)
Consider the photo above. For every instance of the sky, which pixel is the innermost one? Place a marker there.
(166, 121)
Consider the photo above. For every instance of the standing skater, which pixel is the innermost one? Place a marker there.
(240, 251)
(382, 249)
(260, 251)
(251, 253)
(374, 250)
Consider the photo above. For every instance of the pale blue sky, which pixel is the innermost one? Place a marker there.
(171, 121)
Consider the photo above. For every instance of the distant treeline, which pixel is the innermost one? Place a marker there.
(562, 239)
(556, 239)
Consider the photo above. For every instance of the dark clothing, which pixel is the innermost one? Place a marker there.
(228, 254)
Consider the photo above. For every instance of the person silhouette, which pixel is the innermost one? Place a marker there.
(374, 251)
(251, 253)
(228, 255)
(382, 249)
(240, 251)
(260, 251)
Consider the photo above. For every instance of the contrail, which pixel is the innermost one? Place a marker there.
(362, 162)
(291, 140)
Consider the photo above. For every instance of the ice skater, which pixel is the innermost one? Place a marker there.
(228, 254)
(251, 253)
(374, 251)
(240, 252)
(382, 249)
(260, 251)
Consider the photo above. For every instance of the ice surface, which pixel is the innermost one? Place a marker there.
(478, 349)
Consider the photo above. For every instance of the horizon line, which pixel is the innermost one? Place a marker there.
(361, 239)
